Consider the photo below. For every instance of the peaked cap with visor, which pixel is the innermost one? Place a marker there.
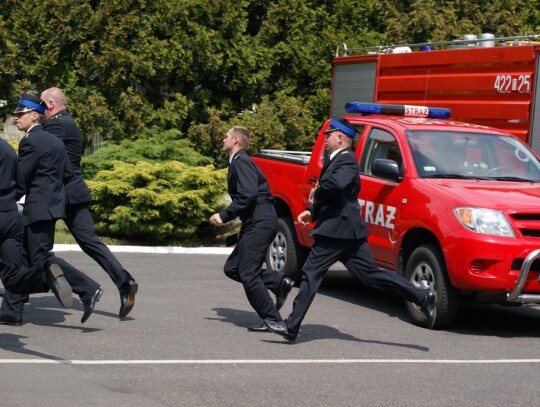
(342, 125)
(28, 103)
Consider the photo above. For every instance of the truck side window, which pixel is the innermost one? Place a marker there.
(360, 129)
(380, 144)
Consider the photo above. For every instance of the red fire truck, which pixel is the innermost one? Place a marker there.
(488, 81)
(448, 204)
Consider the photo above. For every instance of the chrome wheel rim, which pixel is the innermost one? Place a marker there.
(278, 251)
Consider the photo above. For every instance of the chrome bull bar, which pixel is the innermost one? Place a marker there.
(516, 295)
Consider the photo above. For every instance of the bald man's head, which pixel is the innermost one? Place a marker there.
(55, 100)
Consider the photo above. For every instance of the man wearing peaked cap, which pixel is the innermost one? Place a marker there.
(15, 277)
(340, 234)
(41, 166)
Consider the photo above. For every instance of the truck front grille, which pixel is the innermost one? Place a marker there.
(528, 224)
(530, 232)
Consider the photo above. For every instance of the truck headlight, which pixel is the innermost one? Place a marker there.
(484, 221)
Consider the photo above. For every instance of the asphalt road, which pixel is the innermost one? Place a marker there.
(185, 344)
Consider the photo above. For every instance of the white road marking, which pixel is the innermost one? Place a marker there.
(262, 361)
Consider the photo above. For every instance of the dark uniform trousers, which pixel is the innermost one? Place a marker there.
(245, 262)
(79, 222)
(271, 278)
(356, 257)
(38, 245)
(15, 277)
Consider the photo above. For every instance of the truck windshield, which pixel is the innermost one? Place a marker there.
(454, 154)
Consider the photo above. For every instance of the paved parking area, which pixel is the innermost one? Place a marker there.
(185, 344)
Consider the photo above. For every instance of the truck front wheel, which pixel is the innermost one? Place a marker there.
(426, 267)
(285, 253)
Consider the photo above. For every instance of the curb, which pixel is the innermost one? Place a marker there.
(150, 249)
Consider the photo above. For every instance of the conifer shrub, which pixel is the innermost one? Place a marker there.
(156, 189)
(155, 202)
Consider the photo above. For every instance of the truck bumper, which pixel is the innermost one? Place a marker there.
(509, 266)
(517, 295)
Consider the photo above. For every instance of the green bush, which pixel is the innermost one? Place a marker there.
(155, 202)
(154, 189)
(153, 145)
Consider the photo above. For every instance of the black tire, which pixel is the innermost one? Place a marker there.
(426, 267)
(285, 253)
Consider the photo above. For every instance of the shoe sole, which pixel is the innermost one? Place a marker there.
(128, 306)
(11, 323)
(65, 295)
(258, 329)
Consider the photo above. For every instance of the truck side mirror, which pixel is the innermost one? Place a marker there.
(384, 168)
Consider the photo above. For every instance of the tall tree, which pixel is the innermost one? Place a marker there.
(127, 65)
(429, 20)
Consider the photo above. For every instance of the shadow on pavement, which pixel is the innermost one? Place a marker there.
(309, 332)
(12, 343)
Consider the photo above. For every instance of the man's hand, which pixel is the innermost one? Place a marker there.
(304, 218)
(215, 219)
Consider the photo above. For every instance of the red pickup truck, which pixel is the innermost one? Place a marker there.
(448, 204)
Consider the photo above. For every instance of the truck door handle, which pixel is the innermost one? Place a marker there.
(312, 179)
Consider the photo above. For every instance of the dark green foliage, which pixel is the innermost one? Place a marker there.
(283, 123)
(440, 20)
(157, 203)
(155, 189)
(127, 65)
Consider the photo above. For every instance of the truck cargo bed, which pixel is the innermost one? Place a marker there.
(293, 157)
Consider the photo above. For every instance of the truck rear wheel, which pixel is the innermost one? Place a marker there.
(285, 253)
(426, 267)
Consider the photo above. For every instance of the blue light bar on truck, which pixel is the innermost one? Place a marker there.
(398, 110)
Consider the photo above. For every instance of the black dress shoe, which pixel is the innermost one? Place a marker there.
(90, 305)
(9, 320)
(59, 285)
(280, 328)
(127, 298)
(284, 289)
(291, 336)
(429, 308)
(258, 328)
